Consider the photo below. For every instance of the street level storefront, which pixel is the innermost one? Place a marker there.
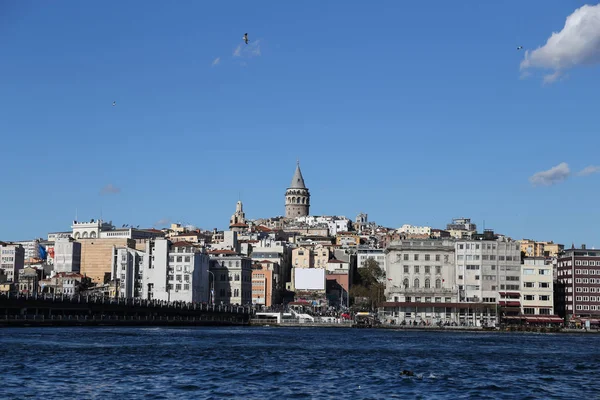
(466, 314)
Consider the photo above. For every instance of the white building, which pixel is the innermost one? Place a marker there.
(31, 247)
(537, 290)
(489, 272)
(177, 272)
(12, 260)
(363, 254)
(415, 230)
(127, 270)
(421, 284)
(336, 225)
(67, 255)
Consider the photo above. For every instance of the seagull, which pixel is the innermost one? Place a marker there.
(114, 103)
(245, 38)
(519, 48)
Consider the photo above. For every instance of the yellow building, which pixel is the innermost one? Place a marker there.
(531, 248)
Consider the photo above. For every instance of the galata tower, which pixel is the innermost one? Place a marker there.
(297, 196)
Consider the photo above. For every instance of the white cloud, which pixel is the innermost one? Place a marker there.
(216, 61)
(162, 222)
(592, 169)
(554, 175)
(110, 189)
(248, 50)
(578, 43)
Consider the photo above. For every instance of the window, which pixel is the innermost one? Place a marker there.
(544, 298)
(186, 278)
(529, 311)
(427, 283)
(416, 283)
(406, 257)
(529, 297)
(237, 277)
(544, 272)
(186, 286)
(178, 286)
(405, 283)
(406, 269)
(528, 271)
(427, 257)
(438, 283)
(437, 257)
(416, 257)
(187, 259)
(416, 269)
(438, 269)
(544, 284)
(427, 269)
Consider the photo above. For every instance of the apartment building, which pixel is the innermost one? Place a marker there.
(537, 289)
(232, 277)
(12, 260)
(578, 284)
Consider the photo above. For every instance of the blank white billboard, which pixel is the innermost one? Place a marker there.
(309, 279)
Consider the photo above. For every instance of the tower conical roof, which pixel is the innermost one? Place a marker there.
(297, 180)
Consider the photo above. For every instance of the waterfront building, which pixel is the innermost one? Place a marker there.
(12, 260)
(421, 283)
(488, 270)
(264, 286)
(232, 274)
(65, 283)
(29, 280)
(537, 288)
(67, 255)
(578, 285)
(172, 272)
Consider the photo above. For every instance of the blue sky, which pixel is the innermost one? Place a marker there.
(414, 112)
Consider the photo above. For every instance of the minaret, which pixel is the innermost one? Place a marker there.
(297, 196)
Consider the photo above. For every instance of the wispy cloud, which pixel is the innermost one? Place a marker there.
(577, 44)
(216, 61)
(162, 222)
(554, 175)
(249, 50)
(110, 189)
(592, 169)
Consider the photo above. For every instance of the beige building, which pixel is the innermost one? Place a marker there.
(96, 256)
(347, 239)
(311, 257)
(537, 290)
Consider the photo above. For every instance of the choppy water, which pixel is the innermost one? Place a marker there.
(293, 363)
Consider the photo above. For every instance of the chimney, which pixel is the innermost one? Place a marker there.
(583, 247)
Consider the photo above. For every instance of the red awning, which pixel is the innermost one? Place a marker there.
(513, 294)
(513, 303)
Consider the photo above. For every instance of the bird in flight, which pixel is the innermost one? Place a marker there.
(246, 38)
(114, 103)
(519, 48)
